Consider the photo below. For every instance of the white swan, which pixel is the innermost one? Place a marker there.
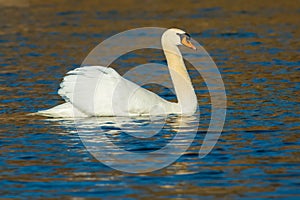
(112, 95)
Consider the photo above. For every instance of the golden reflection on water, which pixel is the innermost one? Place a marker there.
(43, 42)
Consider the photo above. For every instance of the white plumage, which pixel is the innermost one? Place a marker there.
(101, 91)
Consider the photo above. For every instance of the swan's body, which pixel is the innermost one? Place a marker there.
(101, 91)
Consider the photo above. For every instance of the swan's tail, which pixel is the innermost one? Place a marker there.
(66, 110)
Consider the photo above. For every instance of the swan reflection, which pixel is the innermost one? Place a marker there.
(122, 142)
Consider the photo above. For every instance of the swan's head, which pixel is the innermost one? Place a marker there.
(178, 37)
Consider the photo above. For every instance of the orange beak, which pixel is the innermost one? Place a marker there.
(188, 43)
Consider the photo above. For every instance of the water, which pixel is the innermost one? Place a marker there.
(256, 47)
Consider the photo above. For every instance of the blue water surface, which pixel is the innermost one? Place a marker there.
(256, 157)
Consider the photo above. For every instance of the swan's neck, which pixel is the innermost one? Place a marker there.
(185, 93)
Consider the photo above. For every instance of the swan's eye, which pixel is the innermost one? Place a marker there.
(185, 36)
(185, 39)
(188, 37)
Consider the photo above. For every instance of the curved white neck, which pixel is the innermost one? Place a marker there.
(185, 92)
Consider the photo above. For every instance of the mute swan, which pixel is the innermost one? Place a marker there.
(116, 96)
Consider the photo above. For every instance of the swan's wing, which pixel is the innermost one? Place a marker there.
(101, 91)
(79, 86)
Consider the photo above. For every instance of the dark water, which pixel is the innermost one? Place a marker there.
(256, 47)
